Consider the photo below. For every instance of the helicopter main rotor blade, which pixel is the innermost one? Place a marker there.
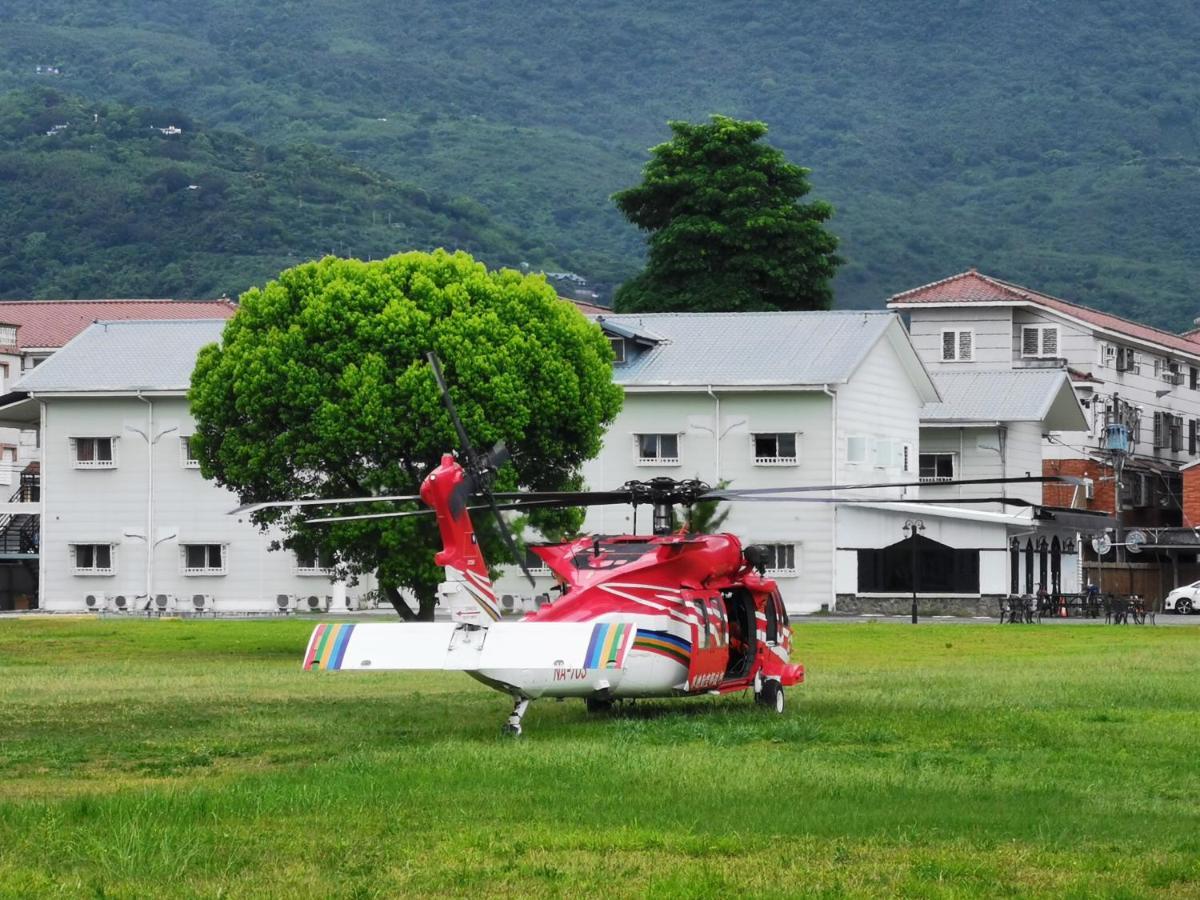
(406, 513)
(737, 494)
(316, 501)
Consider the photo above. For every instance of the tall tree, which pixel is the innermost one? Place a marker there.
(727, 230)
(320, 388)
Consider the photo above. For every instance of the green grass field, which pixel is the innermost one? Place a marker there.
(191, 758)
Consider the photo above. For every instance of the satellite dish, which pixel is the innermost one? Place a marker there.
(1102, 544)
(1134, 541)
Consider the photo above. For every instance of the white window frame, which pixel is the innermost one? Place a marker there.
(773, 569)
(1040, 352)
(8, 335)
(95, 462)
(659, 460)
(777, 459)
(535, 564)
(619, 352)
(938, 479)
(186, 459)
(93, 570)
(190, 572)
(305, 571)
(958, 356)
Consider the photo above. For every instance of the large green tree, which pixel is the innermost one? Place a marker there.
(727, 230)
(320, 388)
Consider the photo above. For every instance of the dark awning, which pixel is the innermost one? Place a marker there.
(1082, 520)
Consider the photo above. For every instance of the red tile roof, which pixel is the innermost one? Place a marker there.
(588, 309)
(52, 323)
(974, 287)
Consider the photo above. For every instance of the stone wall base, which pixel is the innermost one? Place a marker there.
(853, 605)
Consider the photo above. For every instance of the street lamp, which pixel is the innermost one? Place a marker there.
(911, 527)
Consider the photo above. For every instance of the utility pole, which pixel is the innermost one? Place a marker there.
(912, 526)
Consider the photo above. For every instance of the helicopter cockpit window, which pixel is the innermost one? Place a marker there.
(772, 621)
(611, 555)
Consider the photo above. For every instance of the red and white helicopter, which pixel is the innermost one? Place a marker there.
(669, 614)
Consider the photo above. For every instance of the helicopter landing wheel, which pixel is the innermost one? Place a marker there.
(510, 730)
(771, 695)
(597, 705)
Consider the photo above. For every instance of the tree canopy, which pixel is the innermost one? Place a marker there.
(320, 388)
(727, 230)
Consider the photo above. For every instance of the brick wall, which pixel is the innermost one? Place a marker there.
(1191, 497)
(1063, 494)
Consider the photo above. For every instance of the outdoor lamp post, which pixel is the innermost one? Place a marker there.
(912, 526)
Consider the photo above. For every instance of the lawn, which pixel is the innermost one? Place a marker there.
(190, 758)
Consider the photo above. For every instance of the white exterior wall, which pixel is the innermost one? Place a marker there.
(879, 403)
(991, 325)
(977, 455)
(109, 505)
(860, 529)
(1081, 346)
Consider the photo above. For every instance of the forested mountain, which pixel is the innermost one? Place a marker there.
(1054, 144)
(106, 200)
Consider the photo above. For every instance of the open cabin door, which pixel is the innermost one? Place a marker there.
(710, 640)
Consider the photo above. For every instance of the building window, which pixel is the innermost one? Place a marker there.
(958, 346)
(94, 559)
(1039, 340)
(203, 559)
(1193, 378)
(8, 335)
(936, 467)
(775, 449)
(186, 457)
(1193, 430)
(780, 559)
(657, 449)
(535, 564)
(856, 449)
(94, 452)
(1175, 432)
(311, 563)
(618, 346)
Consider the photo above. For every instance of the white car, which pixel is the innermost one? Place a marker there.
(1183, 600)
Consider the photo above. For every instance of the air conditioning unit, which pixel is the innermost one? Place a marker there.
(164, 603)
(203, 602)
(96, 602)
(313, 603)
(1173, 378)
(122, 602)
(507, 603)
(285, 602)
(355, 602)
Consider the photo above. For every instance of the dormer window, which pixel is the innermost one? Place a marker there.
(1039, 341)
(618, 346)
(8, 335)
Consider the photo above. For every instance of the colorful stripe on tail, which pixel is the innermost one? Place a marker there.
(327, 646)
(665, 644)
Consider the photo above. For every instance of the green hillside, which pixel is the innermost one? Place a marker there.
(1052, 144)
(100, 199)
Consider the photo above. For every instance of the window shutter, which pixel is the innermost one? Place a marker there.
(1192, 436)
(1049, 342)
(966, 345)
(948, 346)
(1029, 341)
(1158, 431)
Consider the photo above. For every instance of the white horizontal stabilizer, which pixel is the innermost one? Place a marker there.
(444, 645)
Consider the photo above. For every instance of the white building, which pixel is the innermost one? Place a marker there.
(1124, 372)
(124, 510)
(761, 400)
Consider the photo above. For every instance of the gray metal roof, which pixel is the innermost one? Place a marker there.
(1006, 395)
(768, 348)
(154, 355)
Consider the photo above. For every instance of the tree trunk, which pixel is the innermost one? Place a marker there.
(403, 610)
(426, 600)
